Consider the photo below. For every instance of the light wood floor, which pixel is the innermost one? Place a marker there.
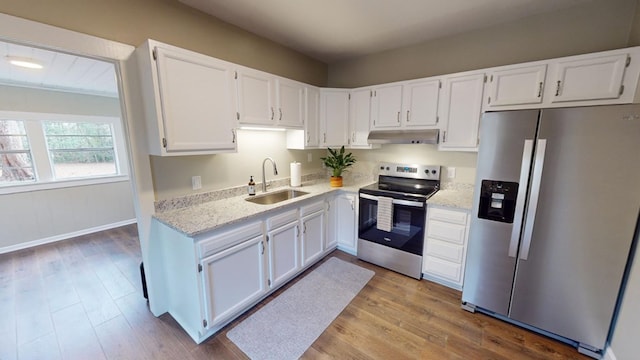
(82, 299)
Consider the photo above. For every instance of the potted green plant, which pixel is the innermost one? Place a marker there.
(338, 161)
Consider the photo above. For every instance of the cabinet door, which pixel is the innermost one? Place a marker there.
(420, 104)
(233, 279)
(345, 221)
(313, 228)
(290, 101)
(334, 117)
(590, 78)
(461, 107)
(359, 117)
(284, 258)
(197, 102)
(516, 86)
(387, 106)
(255, 98)
(312, 113)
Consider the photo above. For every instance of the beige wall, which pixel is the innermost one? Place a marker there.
(133, 21)
(596, 26)
(172, 175)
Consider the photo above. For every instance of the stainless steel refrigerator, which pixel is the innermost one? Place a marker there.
(557, 202)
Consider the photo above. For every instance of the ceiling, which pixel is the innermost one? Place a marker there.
(333, 30)
(60, 72)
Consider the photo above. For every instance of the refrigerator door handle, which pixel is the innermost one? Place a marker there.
(522, 193)
(533, 200)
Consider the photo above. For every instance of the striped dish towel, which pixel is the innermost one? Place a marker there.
(385, 214)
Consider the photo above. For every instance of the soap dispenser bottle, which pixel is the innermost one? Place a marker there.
(251, 188)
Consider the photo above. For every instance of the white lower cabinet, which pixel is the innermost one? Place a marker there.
(283, 239)
(232, 280)
(343, 217)
(313, 223)
(445, 246)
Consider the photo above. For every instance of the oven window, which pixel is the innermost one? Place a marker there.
(407, 233)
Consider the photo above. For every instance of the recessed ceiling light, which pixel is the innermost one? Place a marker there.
(24, 62)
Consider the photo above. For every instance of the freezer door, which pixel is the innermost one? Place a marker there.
(506, 143)
(580, 230)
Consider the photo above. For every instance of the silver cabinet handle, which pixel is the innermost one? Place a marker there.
(444, 136)
(558, 88)
(522, 191)
(272, 113)
(533, 201)
(353, 137)
(324, 138)
(540, 89)
(233, 134)
(262, 246)
(308, 137)
(297, 231)
(398, 116)
(407, 115)
(280, 110)
(304, 228)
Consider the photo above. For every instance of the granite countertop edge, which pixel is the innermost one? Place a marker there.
(460, 197)
(202, 218)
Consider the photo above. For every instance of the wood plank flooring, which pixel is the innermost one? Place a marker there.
(82, 299)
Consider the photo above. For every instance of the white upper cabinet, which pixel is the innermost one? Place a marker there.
(420, 104)
(308, 137)
(386, 106)
(460, 111)
(516, 86)
(255, 97)
(290, 95)
(334, 117)
(589, 78)
(189, 101)
(359, 117)
(268, 100)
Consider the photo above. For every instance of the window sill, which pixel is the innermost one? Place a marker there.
(50, 185)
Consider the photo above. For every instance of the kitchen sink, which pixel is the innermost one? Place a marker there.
(275, 197)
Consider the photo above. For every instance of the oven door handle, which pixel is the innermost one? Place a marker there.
(417, 204)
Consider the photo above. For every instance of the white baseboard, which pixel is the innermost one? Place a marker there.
(60, 237)
(608, 354)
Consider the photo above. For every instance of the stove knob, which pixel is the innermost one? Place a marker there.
(381, 167)
(387, 168)
(426, 172)
(433, 172)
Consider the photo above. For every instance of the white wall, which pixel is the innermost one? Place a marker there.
(31, 218)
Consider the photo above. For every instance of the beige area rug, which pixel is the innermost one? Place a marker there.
(286, 327)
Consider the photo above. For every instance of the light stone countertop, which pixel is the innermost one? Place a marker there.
(459, 196)
(198, 219)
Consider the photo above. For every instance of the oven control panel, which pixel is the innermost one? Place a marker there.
(430, 172)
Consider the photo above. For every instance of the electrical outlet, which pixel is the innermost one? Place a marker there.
(196, 182)
(309, 157)
(451, 172)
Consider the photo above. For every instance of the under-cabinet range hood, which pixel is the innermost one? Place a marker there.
(403, 137)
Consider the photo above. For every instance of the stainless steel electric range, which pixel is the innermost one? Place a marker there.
(392, 215)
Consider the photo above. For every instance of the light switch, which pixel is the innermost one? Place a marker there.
(196, 182)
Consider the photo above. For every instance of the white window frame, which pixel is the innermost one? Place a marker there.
(42, 163)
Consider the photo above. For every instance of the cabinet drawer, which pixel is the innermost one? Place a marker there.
(210, 245)
(442, 268)
(446, 232)
(445, 250)
(311, 208)
(282, 219)
(450, 216)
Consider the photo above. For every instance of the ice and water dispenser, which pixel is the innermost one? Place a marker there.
(498, 200)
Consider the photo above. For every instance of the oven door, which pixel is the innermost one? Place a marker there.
(407, 233)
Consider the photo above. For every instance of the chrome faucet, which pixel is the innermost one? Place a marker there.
(264, 179)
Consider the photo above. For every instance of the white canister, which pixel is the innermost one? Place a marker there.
(296, 174)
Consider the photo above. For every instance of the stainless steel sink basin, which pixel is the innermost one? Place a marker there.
(275, 197)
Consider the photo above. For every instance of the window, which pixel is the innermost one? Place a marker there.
(16, 164)
(79, 149)
(53, 148)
